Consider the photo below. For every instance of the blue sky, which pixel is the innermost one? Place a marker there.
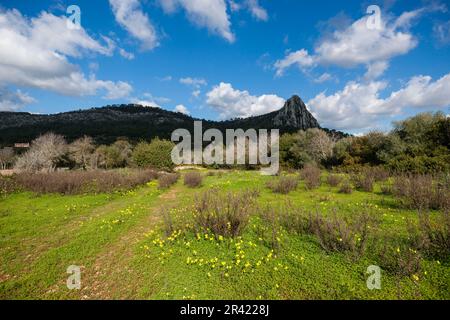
(219, 59)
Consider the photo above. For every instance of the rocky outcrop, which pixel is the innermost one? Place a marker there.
(294, 114)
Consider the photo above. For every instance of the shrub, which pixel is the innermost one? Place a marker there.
(398, 259)
(295, 220)
(334, 180)
(363, 181)
(420, 164)
(156, 154)
(421, 192)
(77, 182)
(431, 237)
(270, 229)
(386, 189)
(165, 180)
(339, 234)
(311, 175)
(193, 179)
(333, 233)
(283, 185)
(378, 173)
(401, 186)
(225, 215)
(346, 187)
(168, 222)
(7, 185)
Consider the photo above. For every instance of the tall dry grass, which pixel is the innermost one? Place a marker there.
(77, 182)
(283, 185)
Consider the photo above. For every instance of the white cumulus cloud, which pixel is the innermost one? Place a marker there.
(182, 109)
(129, 15)
(195, 82)
(357, 45)
(358, 105)
(257, 11)
(230, 102)
(211, 14)
(35, 53)
(13, 100)
(300, 58)
(323, 78)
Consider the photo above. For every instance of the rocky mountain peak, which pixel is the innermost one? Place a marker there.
(295, 114)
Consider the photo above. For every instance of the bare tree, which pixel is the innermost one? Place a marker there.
(7, 156)
(44, 154)
(125, 150)
(320, 144)
(312, 145)
(81, 151)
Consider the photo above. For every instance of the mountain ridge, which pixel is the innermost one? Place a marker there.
(136, 122)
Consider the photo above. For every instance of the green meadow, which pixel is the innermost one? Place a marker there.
(143, 244)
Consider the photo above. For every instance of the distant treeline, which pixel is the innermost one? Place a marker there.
(107, 124)
(420, 144)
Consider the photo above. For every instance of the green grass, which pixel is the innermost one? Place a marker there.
(119, 242)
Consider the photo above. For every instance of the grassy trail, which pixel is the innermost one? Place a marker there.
(76, 230)
(111, 275)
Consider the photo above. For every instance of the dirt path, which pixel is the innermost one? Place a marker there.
(107, 278)
(35, 247)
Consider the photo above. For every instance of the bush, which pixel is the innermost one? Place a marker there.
(168, 222)
(398, 259)
(333, 233)
(311, 174)
(295, 220)
(432, 237)
(334, 180)
(378, 173)
(7, 185)
(346, 187)
(225, 215)
(165, 180)
(283, 185)
(363, 181)
(193, 179)
(270, 230)
(77, 182)
(420, 164)
(156, 154)
(386, 189)
(401, 186)
(341, 235)
(422, 192)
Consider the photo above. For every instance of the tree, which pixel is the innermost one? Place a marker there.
(312, 145)
(156, 154)
(125, 151)
(117, 155)
(391, 147)
(319, 144)
(45, 153)
(7, 156)
(81, 151)
(423, 132)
